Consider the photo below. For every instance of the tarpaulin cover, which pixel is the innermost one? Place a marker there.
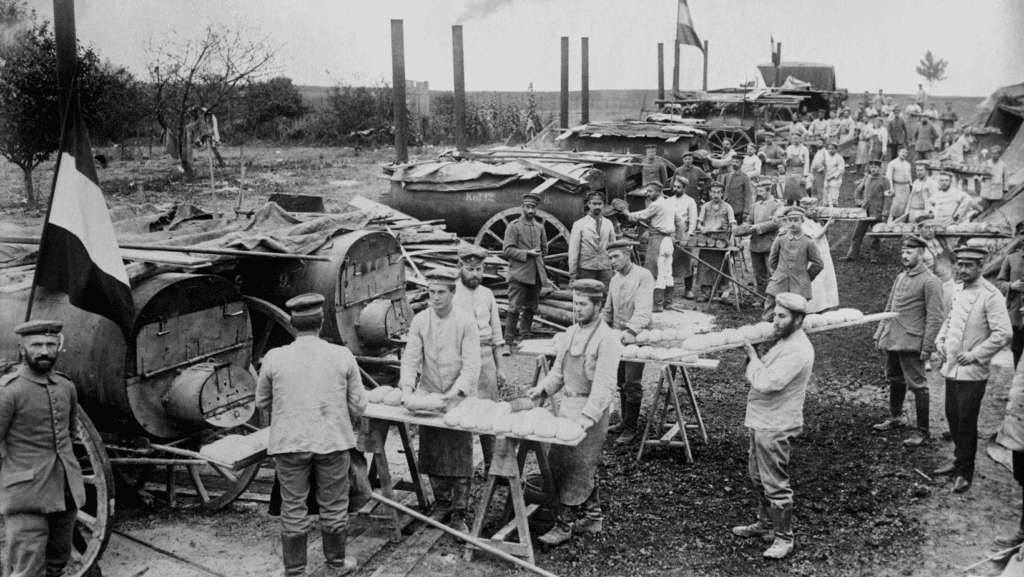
(820, 76)
(633, 129)
(464, 175)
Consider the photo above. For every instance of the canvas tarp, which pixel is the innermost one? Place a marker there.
(820, 76)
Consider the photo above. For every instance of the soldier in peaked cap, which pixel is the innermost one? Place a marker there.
(588, 243)
(470, 295)
(442, 355)
(775, 405)
(628, 309)
(794, 260)
(976, 327)
(909, 339)
(41, 485)
(314, 394)
(584, 374)
(525, 245)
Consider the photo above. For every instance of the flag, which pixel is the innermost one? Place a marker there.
(78, 253)
(685, 33)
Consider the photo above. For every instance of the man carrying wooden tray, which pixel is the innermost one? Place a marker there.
(584, 374)
(443, 350)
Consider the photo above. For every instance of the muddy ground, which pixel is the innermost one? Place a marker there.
(860, 507)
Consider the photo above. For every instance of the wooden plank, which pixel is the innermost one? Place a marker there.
(550, 172)
(408, 555)
(503, 533)
(402, 415)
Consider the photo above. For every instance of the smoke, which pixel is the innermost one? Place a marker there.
(480, 8)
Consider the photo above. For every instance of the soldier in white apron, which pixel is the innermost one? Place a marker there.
(584, 375)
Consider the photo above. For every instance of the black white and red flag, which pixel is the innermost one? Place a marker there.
(685, 32)
(78, 252)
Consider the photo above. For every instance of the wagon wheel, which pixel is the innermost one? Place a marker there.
(216, 487)
(93, 527)
(740, 139)
(492, 235)
(271, 327)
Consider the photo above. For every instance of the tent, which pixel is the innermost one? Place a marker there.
(819, 76)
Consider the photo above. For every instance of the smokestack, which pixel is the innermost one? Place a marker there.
(585, 81)
(675, 71)
(661, 71)
(458, 62)
(398, 91)
(64, 33)
(778, 63)
(564, 96)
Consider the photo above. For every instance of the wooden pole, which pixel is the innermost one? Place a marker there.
(675, 70)
(186, 249)
(564, 94)
(661, 71)
(463, 536)
(705, 83)
(398, 91)
(778, 58)
(458, 63)
(585, 80)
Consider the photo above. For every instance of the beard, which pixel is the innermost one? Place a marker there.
(41, 363)
(786, 329)
(471, 283)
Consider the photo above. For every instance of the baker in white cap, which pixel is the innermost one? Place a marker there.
(775, 415)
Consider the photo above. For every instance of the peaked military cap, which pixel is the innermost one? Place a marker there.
(913, 241)
(621, 244)
(443, 276)
(39, 327)
(472, 252)
(306, 305)
(531, 198)
(971, 253)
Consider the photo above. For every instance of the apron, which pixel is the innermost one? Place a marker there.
(445, 453)
(574, 469)
(793, 187)
(487, 386)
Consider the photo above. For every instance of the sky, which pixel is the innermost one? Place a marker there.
(512, 43)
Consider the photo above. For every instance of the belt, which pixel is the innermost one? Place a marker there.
(566, 393)
(654, 230)
(907, 182)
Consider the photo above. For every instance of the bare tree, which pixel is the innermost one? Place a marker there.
(202, 73)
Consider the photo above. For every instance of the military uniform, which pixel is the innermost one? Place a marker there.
(41, 484)
(526, 273)
(795, 261)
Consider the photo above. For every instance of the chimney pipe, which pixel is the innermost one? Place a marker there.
(564, 96)
(585, 80)
(458, 61)
(661, 71)
(398, 91)
(675, 71)
(705, 83)
(778, 58)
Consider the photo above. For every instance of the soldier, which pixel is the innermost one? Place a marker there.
(443, 350)
(696, 179)
(794, 261)
(775, 407)
(313, 393)
(762, 225)
(628, 309)
(588, 242)
(470, 295)
(871, 194)
(665, 228)
(41, 484)
(977, 326)
(909, 339)
(524, 246)
(582, 372)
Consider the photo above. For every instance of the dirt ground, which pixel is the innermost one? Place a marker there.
(861, 508)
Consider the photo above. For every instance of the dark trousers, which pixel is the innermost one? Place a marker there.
(522, 297)
(903, 370)
(963, 403)
(631, 381)
(1017, 344)
(759, 262)
(38, 545)
(863, 226)
(605, 276)
(330, 471)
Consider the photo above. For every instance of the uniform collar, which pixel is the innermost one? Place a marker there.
(38, 378)
(920, 268)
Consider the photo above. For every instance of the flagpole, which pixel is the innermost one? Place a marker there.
(67, 61)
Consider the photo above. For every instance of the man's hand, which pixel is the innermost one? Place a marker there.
(535, 393)
(452, 394)
(1017, 285)
(749, 348)
(966, 358)
(584, 421)
(406, 389)
(533, 252)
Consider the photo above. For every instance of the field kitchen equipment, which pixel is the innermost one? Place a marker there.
(185, 377)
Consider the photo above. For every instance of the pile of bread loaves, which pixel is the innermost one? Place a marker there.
(484, 415)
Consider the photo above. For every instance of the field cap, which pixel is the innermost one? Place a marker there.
(39, 327)
(531, 198)
(971, 253)
(913, 241)
(472, 253)
(792, 302)
(589, 287)
(621, 245)
(445, 275)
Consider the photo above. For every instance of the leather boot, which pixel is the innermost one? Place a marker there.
(782, 546)
(338, 563)
(1007, 541)
(511, 326)
(526, 331)
(631, 413)
(666, 301)
(763, 527)
(591, 521)
(659, 295)
(293, 553)
(460, 504)
(560, 532)
(617, 427)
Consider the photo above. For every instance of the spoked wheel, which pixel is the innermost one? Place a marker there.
(216, 487)
(740, 139)
(92, 530)
(271, 326)
(492, 235)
